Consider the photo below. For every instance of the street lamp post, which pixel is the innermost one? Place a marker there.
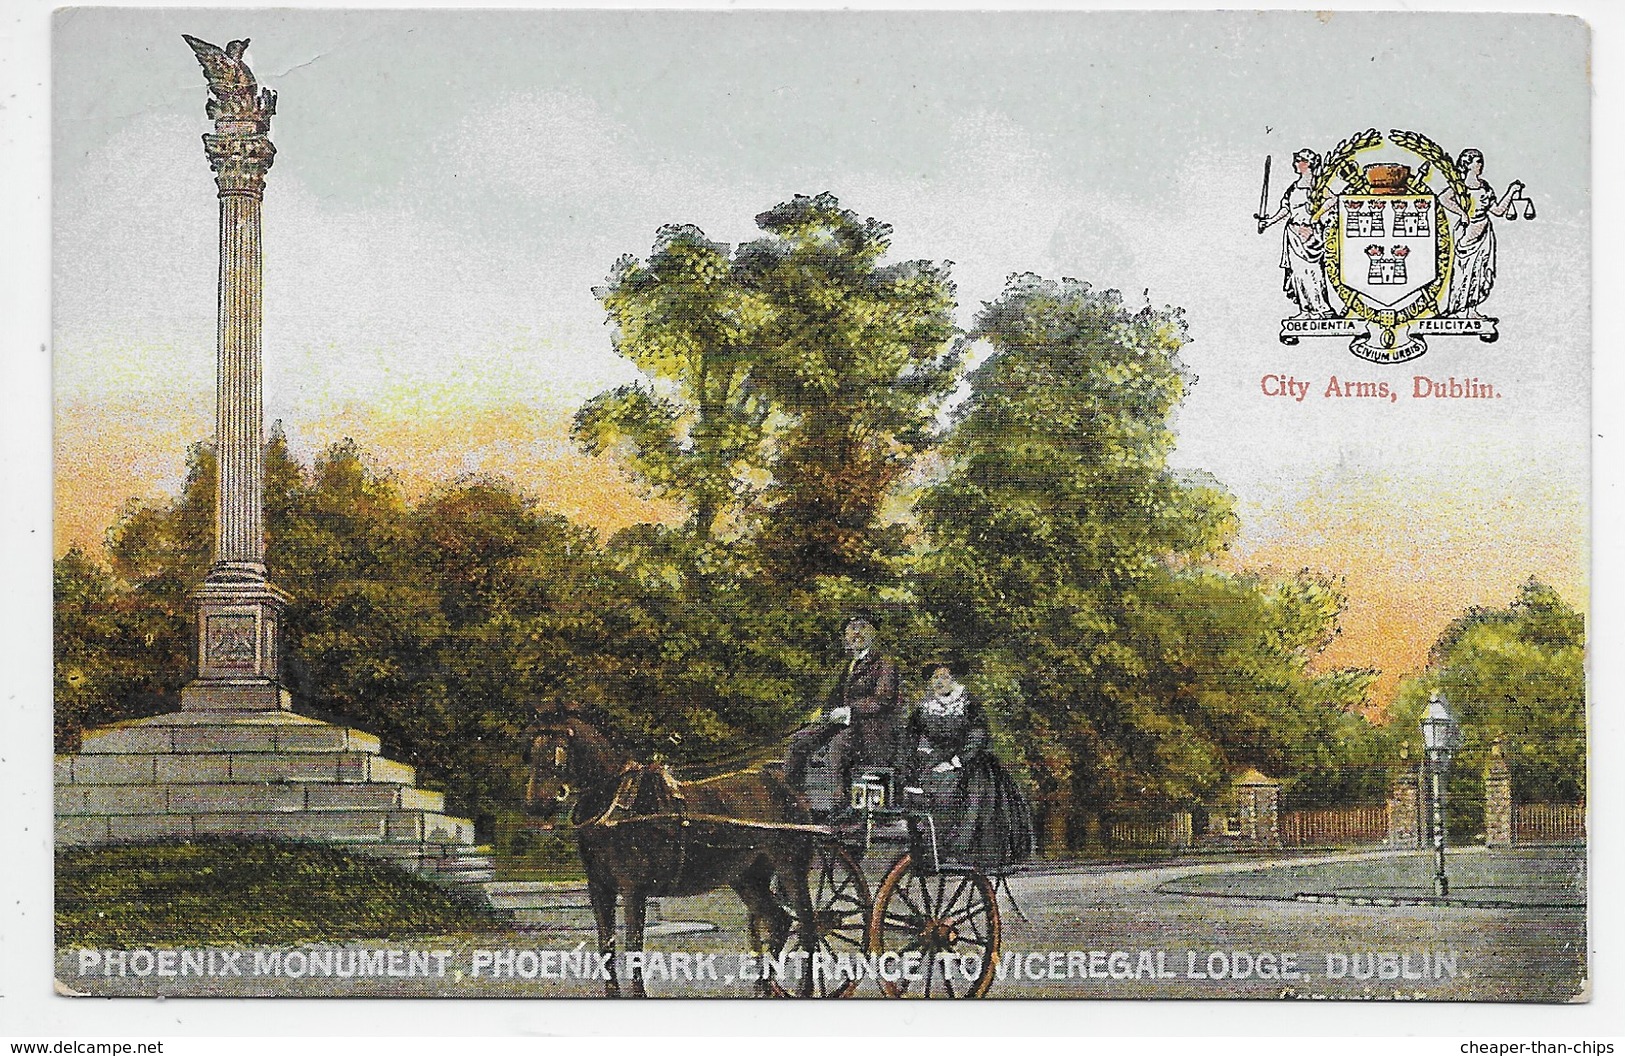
(1441, 735)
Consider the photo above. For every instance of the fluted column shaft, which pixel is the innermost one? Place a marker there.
(239, 399)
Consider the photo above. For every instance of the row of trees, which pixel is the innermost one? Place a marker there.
(807, 404)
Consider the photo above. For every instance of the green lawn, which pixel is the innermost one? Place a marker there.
(523, 851)
(231, 892)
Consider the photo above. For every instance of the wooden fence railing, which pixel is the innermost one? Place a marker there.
(1548, 822)
(1335, 826)
(1145, 833)
(1342, 827)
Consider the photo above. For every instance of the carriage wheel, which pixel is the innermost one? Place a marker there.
(950, 919)
(841, 907)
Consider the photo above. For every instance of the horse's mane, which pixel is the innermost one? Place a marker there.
(648, 747)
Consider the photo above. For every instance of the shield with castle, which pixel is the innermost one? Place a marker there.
(1387, 241)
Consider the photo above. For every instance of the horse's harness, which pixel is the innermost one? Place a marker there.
(621, 807)
(627, 789)
(622, 810)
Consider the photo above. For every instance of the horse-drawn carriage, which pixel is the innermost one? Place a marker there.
(929, 928)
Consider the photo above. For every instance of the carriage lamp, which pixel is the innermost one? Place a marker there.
(1441, 736)
(869, 792)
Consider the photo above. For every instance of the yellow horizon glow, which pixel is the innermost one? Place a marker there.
(1411, 562)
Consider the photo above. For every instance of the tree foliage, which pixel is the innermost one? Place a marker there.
(1073, 561)
(115, 654)
(1514, 674)
(787, 384)
(695, 429)
(856, 355)
(437, 625)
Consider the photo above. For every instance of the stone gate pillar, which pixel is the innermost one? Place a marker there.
(1405, 803)
(238, 611)
(1260, 800)
(1497, 798)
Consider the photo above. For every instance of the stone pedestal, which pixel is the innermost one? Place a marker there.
(238, 660)
(1497, 800)
(1405, 821)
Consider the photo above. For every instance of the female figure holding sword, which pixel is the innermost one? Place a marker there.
(1303, 244)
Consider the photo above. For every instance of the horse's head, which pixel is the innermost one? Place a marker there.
(566, 755)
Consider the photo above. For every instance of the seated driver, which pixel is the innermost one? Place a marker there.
(862, 719)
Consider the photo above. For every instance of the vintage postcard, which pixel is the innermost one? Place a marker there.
(821, 504)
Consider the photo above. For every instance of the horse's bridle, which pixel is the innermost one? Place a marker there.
(561, 759)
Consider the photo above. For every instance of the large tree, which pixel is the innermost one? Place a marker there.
(787, 385)
(694, 429)
(1071, 560)
(857, 354)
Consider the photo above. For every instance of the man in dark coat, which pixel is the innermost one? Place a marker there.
(864, 716)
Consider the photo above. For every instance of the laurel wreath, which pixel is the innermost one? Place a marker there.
(1341, 165)
(1434, 155)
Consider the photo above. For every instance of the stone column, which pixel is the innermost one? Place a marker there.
(1497, 798)
(238, 610)
(1405, 804)
(1260, 800)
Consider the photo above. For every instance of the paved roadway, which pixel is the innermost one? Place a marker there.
(1211, 929)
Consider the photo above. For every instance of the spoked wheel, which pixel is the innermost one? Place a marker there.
(951, 919)
(841, 907)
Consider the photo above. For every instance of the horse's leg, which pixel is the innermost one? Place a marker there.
(754, 918)
(769, 924)
(602, 893)
(637, 912)
(793, 867)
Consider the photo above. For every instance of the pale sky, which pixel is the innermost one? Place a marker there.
(450, 186)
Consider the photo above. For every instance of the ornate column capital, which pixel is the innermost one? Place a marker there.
(239, 161)
(239, 149)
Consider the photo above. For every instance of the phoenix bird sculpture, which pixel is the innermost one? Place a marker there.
(235, 95)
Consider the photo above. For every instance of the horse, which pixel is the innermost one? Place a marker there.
(641, 833)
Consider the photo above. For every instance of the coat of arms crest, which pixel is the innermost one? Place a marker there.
(1389, 251)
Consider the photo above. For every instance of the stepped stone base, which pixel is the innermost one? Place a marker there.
(268, 773)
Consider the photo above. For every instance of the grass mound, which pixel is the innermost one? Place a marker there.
(247, 892)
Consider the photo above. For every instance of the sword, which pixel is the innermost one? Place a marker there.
(1264, 198)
